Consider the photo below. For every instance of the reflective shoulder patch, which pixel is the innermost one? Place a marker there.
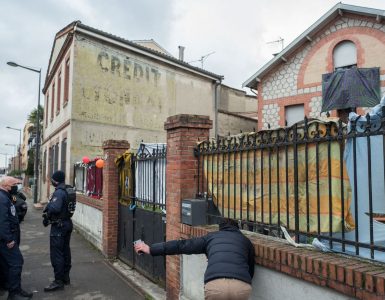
(13, 210)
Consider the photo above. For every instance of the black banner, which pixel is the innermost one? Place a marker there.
(348, 88)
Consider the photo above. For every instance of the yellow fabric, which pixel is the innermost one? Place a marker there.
(220, 180)
(126, 184)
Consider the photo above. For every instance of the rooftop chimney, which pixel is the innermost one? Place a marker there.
(181, 53)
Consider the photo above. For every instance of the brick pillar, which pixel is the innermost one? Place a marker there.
(183, 132)
(112, 149)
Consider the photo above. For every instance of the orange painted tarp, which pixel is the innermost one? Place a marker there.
(261, 188)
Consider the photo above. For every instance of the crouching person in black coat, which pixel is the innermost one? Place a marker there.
(230, 266)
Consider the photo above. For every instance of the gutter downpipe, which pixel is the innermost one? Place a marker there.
(216, 104)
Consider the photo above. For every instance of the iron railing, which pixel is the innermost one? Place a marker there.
(315, 178)
(147, 187)
(88, 179)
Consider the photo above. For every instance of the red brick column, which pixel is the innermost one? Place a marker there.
(112, 149)
(183, 132)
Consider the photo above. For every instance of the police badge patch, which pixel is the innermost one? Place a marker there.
(13, 210)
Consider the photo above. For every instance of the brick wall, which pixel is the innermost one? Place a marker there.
(183, 132)
(348, 275)
(112, 149)
(95, 203)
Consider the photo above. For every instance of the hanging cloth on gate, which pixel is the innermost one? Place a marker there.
(362, 169)
(126, 184)
(226, 177)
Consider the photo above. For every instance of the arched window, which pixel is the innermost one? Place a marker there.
(345, 55)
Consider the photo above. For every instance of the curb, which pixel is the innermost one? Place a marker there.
(134, 286)
(138, 282)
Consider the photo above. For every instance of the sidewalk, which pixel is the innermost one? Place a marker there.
(92, 276)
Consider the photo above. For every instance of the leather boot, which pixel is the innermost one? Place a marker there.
(21, 295)
(54, 286)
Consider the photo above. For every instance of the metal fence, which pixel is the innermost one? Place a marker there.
(88, 179)
(318, 179)
(145, 178)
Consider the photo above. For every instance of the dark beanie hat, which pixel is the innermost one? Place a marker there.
(59, 176)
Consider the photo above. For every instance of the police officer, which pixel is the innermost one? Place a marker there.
(19, 200)
(56, 213)
(12, 259)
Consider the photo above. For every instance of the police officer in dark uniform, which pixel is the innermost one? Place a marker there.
(12, 259)
(56, 213)
(19, 200)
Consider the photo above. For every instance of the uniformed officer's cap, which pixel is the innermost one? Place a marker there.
(59, 176)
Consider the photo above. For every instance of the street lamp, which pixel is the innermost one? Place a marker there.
(14, 153)
(37, 151)
(19, 130)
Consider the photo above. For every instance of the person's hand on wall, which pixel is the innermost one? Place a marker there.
(141, 248)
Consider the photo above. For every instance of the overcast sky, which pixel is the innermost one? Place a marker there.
(238, 31)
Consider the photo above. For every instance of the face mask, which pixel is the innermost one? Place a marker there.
(13, 190)
(54, 183)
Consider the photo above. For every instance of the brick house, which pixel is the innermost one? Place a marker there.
(290, 85)
(99, 86)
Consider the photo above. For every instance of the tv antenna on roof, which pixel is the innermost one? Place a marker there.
(280, 40)
(202, 59)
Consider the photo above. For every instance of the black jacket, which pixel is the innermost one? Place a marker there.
(20, 205)
(230, 254)
(9, 222)
(57, 210)
(57, 205)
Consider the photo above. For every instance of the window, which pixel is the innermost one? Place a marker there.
(294, 114)
(50, 161)
(56, 160)
(46, 110)
(53, 101)
(58, 93)
(66, 80)
(63, 155)
(345, 55)
(44, 165)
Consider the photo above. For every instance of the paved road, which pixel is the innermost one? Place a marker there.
(91, 275)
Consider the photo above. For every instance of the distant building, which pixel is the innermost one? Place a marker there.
(290, 85)
(28, 139)
(100, 86)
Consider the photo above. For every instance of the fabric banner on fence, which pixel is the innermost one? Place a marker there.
(126, 184)
(267, 194)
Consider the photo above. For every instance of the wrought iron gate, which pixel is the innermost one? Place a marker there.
(142, 208)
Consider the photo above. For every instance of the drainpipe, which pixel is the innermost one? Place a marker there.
(217, 98)
(256, 96)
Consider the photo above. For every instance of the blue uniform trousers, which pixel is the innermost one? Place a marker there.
(12, 260)
(60, 251)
